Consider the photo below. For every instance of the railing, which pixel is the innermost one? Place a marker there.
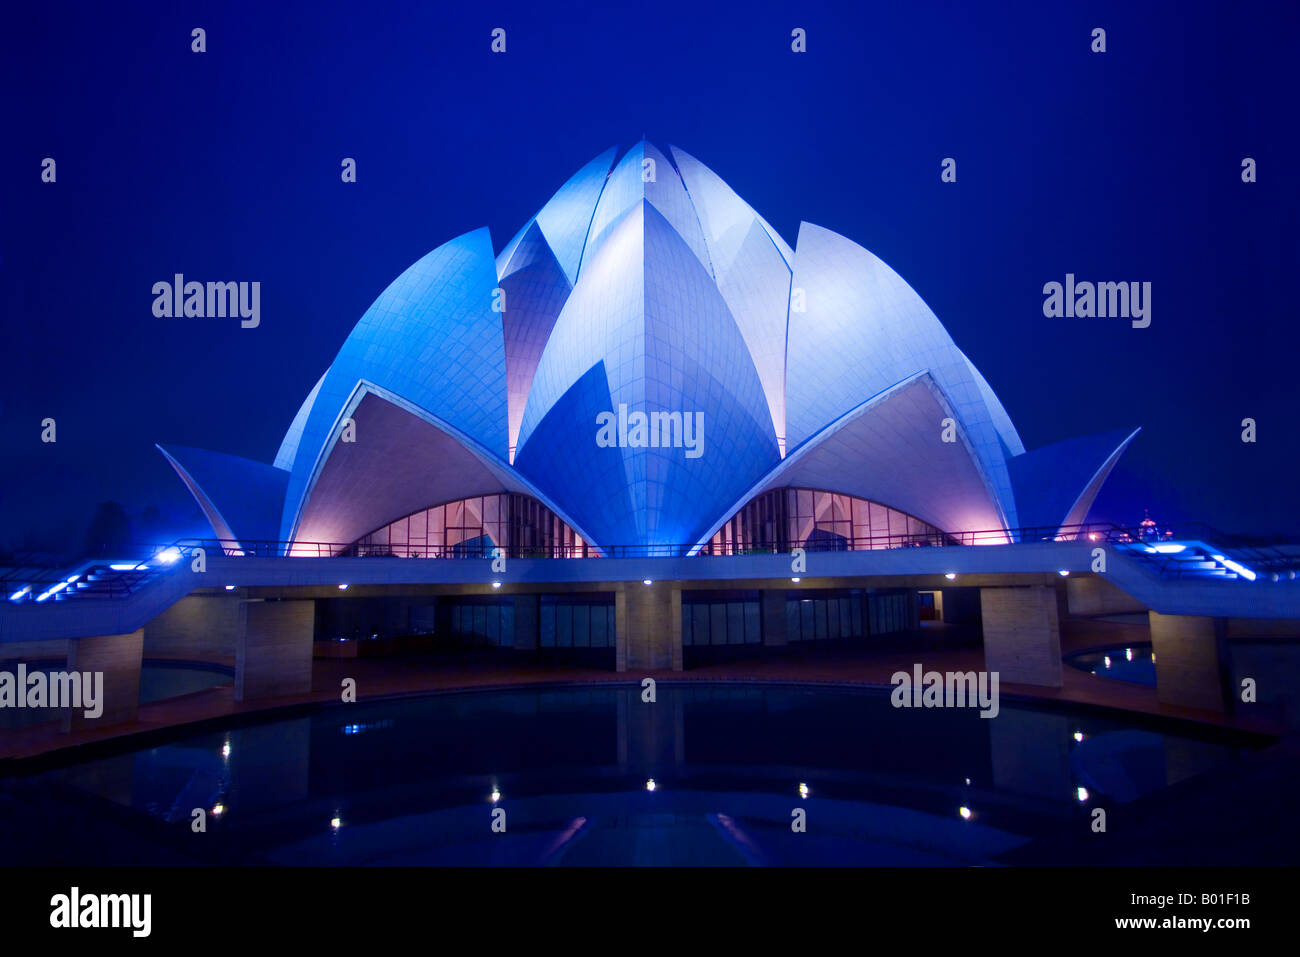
(92, 578)
(1269, 559)
(1245, 557)
(481, 548)
(822, 540)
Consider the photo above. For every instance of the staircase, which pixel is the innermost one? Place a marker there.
(89, 580)
(1190, 558)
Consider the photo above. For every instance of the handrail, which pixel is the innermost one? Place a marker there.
(481, 547)
(113, 581)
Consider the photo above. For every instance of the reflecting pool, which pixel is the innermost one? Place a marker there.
(708, 773)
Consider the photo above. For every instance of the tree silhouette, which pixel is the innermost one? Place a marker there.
(109, 529)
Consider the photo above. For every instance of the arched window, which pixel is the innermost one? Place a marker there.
(819, 520)
(472, 527)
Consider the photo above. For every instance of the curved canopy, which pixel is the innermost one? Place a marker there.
(646, 287)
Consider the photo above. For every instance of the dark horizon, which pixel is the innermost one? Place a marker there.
(1122, 166)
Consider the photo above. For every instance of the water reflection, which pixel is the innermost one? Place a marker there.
(1272, 663)
(706, 774)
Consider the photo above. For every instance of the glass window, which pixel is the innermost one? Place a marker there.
(735, 623)
(437, 528)
(564, 626)
(806, 509)
(718, 623)
(453, 514)
(793, 628)
(700, 627)
(508, 625)
(505, 520)
(879, 526)
(473, 511)
(546, 626)
(581, 626)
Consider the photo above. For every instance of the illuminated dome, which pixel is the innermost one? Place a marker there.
(646, 363)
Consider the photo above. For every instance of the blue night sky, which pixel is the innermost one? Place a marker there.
(225, 166)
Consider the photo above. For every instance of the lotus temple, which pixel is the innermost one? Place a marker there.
(650, 434)
(616, 529)
(834, 411)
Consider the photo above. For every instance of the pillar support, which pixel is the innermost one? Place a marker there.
(1022, 634)
(273, 656)
(1191, 661)
(648, 624)
(119, 658)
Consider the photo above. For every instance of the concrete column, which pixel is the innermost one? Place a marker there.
(527, 622)
(197, 626)
(119, 658)
(1022, 634)
(772, 617)
(648, 621)
(1062, 600)
(1094, 595)
(1191, 660)
(274, 652)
